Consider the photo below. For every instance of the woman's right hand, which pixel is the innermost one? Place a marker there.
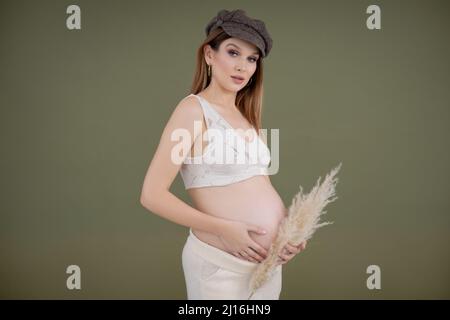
(234, 235)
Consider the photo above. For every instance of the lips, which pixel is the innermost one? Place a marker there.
(237, 79)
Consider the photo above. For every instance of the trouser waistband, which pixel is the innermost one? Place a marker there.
(218, 256)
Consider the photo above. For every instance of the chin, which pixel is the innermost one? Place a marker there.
(238, 86)
(233, 88)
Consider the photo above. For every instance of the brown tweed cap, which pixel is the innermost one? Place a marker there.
(237, 24)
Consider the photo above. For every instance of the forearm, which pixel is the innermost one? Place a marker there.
(168, 206)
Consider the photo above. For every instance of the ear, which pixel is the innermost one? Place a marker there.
(208, 53)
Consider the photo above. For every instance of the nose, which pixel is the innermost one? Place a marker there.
(240, 68)
(242, 65)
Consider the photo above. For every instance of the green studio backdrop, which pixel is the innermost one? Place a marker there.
(82, 112)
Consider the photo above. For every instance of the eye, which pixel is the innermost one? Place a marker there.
(232, 52)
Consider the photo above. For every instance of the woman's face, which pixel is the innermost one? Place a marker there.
(235, 58)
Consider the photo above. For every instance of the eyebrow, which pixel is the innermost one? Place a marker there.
(232, 44)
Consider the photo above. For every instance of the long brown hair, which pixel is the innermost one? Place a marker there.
(249, 98)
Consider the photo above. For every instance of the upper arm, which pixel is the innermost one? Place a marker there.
(162, 169)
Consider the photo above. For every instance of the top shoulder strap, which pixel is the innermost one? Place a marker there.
(209, 114)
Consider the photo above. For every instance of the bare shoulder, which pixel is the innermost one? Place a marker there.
(184, 116)
(189, 107)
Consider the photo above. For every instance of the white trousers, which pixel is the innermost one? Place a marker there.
(213, 274)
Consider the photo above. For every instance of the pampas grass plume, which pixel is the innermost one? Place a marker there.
(302, 220)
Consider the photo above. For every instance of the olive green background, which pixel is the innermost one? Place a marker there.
(82, 112)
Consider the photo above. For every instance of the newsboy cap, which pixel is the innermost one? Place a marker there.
(237, 24)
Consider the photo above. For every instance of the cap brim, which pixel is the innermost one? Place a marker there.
(246, 35)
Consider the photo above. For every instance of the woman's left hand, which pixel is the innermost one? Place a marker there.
(289, 251)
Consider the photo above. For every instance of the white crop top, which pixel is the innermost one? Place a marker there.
(227, 158)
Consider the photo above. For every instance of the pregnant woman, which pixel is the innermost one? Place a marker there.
(223, 165)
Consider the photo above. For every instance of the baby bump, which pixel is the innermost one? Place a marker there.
(267, 218)
(253, 201)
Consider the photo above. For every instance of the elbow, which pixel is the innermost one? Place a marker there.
(143, 201)
(150, 197)
(146, 201)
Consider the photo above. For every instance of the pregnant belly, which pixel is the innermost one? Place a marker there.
(253, 201)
